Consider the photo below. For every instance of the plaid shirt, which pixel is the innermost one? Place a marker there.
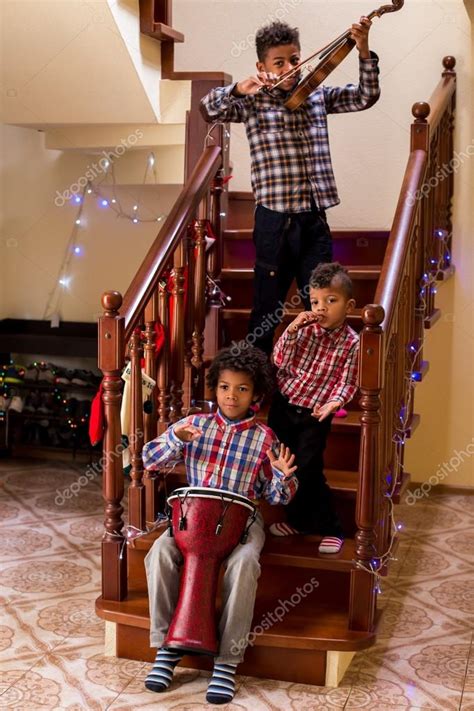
(316, 366)
(229, 455)
(289, 150)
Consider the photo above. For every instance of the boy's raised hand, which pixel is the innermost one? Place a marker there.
(187, 433)
(284, 461)
(360, 33)
(303, 319)
(323, 411)
(253, 84)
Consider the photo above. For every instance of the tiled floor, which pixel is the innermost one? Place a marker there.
(51, 642)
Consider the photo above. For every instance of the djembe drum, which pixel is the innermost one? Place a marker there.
(207, 524)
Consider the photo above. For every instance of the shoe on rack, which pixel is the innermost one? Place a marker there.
(31, 373)
(16, 403)
(46, 373)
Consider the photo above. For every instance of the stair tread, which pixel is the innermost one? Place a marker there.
(299, 628)
(368, 271)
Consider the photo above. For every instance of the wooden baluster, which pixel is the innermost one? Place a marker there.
(151, 478)
(449, 63)
(214, 264)
(177, 334)
(362, 603)
(199, 308)
(163, 364)
(151, 318)
(136, 491)
(111, 361)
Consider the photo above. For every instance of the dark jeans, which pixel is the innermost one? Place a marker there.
(311, 510)
(288, 246)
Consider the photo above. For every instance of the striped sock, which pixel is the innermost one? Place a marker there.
(162, 672)
(221, 687)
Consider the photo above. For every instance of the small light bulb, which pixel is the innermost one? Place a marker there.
(135, 207)
(151, 160)
(104, 202)
(78, 221)
(89, 190)
(113, 201)
(135, 220)
(77, 250)
(77, 199)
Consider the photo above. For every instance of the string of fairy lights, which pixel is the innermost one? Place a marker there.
(105, 195)
(412, 377)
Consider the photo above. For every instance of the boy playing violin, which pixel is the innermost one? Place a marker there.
(291, 171)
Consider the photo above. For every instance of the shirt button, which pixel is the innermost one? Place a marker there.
(301, 133)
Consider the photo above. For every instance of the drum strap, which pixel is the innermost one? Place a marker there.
(245, 534)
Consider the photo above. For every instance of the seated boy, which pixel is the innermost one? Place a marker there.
(230, 450)
(316, 358)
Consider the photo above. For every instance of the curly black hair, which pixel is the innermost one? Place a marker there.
(332, 274)
(242, 358)
(273, 35)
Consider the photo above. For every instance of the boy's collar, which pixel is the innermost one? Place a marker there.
(237, 425)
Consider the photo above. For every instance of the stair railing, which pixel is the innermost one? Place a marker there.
(391, 347)
(169, 289)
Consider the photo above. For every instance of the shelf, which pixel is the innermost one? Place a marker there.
(43, 385)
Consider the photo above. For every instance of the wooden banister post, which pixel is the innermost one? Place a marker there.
(136, 491)
(111, 361)
(163, 365)
(371, 368)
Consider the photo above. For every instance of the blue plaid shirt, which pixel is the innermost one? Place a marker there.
(289, 150)
(229, 455)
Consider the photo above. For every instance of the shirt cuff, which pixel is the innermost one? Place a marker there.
(174, 439)
(232, 88)
(372, 61)
(280, 476)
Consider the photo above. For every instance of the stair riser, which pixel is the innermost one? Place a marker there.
(349, 249)
(241, 291)
(300, 666)
(234, 330)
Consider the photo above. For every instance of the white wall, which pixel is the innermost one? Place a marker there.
(36, 231)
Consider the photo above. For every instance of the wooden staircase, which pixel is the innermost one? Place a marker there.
(315, 637)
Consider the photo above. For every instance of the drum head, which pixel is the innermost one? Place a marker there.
(208, 492)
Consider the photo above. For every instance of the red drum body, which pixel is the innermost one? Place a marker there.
(207, 524)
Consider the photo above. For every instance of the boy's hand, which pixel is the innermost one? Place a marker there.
(323, 411)
(253, 84)
(360, 33)
(284, 461)
(187, 433)
(303, 319)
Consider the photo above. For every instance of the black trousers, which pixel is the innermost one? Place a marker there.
(288, 246)
(311, 510)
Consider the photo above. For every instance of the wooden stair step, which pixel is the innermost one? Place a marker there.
(231, 313)
(368, 271)
(317, 622)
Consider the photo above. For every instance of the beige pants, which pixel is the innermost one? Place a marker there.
(242, 570)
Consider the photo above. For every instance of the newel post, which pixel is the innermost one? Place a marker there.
(111, 361)
(369, 505)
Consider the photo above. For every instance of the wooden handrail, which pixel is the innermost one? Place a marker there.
(147, 277)
(399, 242)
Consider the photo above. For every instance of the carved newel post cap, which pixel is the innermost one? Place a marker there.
(421, 110)
(449, 63)
(373, 314)
(111, 300)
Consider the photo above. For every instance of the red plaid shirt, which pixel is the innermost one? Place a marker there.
(289, 150)
(316, 366)
(229, 455)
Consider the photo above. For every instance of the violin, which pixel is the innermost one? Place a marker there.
(331, 55)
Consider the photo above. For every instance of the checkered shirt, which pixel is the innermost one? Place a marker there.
(316, 366)
(290, 156)
(229, 455)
